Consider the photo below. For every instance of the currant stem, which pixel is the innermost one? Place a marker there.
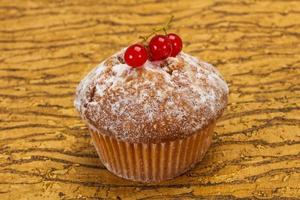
(165, 31)
(155, 30)
(167, 26)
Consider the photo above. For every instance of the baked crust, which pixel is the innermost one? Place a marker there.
(159, 102)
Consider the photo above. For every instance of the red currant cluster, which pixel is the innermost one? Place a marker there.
(160, 47)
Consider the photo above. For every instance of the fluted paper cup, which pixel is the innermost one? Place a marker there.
(152, 162)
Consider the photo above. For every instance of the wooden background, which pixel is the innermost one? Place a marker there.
(46, 47)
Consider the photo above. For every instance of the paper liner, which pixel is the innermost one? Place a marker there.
(152, 162)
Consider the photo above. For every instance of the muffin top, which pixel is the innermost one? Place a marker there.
(158, 102)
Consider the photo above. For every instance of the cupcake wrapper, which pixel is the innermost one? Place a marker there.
(152, 162)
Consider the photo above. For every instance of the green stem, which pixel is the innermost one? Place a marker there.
(155, 30)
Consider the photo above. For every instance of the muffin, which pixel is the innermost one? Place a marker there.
(153, 122)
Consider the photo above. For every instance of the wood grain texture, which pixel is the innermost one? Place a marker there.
(46, 47)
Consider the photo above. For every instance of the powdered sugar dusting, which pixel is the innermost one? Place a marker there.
(160, 101)
(84, 85)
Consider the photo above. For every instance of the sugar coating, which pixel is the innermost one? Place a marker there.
(160, 101)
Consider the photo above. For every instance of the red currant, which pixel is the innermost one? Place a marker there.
(135, 55)
(160, 47)
(176, 43)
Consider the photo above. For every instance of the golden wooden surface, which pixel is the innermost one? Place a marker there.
(46, 47)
